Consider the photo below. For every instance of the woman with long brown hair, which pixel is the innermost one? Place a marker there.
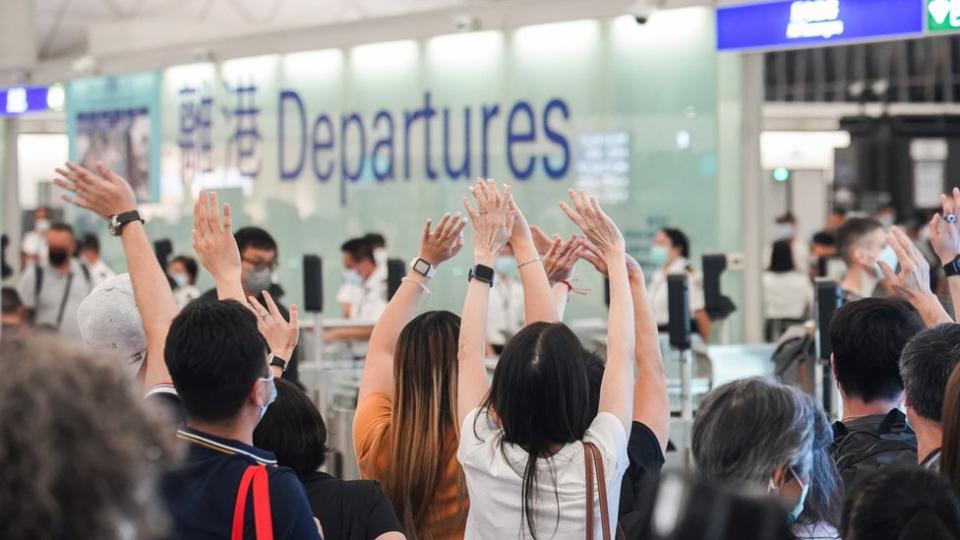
(405, 432)
(950, 454)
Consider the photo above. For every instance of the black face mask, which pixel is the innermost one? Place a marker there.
(57, 256)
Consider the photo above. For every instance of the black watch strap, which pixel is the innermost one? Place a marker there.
(952, 268)
(481, 273)
(279, 362)
(118, 221)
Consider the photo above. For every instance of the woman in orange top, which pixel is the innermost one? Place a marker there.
(405, 432)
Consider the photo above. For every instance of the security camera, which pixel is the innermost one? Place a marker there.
(466, 23)
(642, 10)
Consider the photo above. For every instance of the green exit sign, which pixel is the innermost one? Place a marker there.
(943, 15)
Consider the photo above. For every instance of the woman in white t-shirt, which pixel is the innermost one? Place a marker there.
(787, 293)
(522, 444)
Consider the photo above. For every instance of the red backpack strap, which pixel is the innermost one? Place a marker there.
(258, 477)
(239, 510)
(261, 504)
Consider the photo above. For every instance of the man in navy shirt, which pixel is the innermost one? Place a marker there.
(219, 365)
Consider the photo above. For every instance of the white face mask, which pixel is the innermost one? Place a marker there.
(42, 225)
(505, 265)
(180, 279)
(785, 231)
(380, 256)
(888, 256)
(352, 277)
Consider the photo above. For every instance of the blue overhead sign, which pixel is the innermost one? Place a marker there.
(29, 99)
(785, 24)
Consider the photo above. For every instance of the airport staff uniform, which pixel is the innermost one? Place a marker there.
(658, 290)
(505, 310)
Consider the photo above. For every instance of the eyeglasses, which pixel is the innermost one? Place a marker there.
(260, 263)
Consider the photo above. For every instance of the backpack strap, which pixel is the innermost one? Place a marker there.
(893, 421)
(86, 274)
(255, 476)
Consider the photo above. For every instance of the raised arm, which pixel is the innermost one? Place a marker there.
(107, 194)
(559, 259)
(216, 247)
(913, 282)
(492, 223)
(651, 404)
(437, 245)
(616, 390)
(945, 239)
(538, 304)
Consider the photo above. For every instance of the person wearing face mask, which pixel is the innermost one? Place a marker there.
(183, 271)
(670, 251)
(258, 262)
(33, 248)
(786, 229)
(862, 242)
(52, 291)
(365, 297)
(505, 310)
(760, 435)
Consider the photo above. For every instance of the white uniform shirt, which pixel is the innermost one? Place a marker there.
(494, 476)
(100, 272)
(505, 310)
(657, 290)
(53, 292)
(35, 243)
(371, 300)
(786, 295)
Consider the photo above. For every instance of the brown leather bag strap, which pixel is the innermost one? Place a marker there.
(602, 488)
(588, 465)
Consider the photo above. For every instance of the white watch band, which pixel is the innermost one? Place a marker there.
(420, 262)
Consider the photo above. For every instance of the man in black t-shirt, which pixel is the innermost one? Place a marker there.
(868, 337)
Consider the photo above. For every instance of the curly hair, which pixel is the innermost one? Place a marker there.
(80, 455)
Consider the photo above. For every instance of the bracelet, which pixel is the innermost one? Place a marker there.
(536, 260)
(422, 286)
(567, 283)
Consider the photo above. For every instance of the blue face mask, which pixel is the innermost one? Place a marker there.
(797, 509)
(658, 255)
(273, 395)
(505, 265)
(888, 256)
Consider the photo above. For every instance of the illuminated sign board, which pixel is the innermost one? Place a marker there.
(30, 99)
(809, 23)
(943, 15)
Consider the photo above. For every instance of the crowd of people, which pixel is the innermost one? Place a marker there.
(182, 417)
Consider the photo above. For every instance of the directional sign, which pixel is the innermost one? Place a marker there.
(943, 15)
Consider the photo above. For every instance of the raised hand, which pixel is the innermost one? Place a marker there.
(493, 219)
(559, 256)
(281, 335)
(594, 256)
(914, 277)
(521, 231)
(945, 230)
(105, 194)
(213, 240)
(444, 241)
(595, 224)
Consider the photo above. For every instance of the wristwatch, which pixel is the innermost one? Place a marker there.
(481, 273)
(117, 221)
(423, 267)
(952, 268)
(279, 362)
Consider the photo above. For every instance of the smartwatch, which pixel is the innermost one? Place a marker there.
(422, 267)
(481, 273)
(952, 268)
(117, 221)
(280, 363)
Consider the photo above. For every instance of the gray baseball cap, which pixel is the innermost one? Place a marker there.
(110, 321)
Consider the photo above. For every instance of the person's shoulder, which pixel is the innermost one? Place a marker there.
(643, 446)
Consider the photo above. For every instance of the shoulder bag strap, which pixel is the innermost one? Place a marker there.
(602, 488)
(588, 466)
(63, 301)
(241, 505)
(261, 504)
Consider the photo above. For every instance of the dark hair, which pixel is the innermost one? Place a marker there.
(950, 453)
(215, 355)
(781, 257)
(10, 301)
(823, 238)
(190, 264)
(679, 240)
(868, 337)
(595, 367)
(91, 242)
(358, 248)
(63, 227)
(254, 237)
(376, 240)
(902, 504)
(926, 364)
(852, 231)
(786, 217)
(541, 395)
(293, 429)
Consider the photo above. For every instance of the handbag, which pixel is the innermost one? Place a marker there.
(593, 461)
(257, 477)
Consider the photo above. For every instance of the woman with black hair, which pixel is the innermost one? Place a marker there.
(787, 292)
(670, 254)
(526, 438)
(294, 430)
